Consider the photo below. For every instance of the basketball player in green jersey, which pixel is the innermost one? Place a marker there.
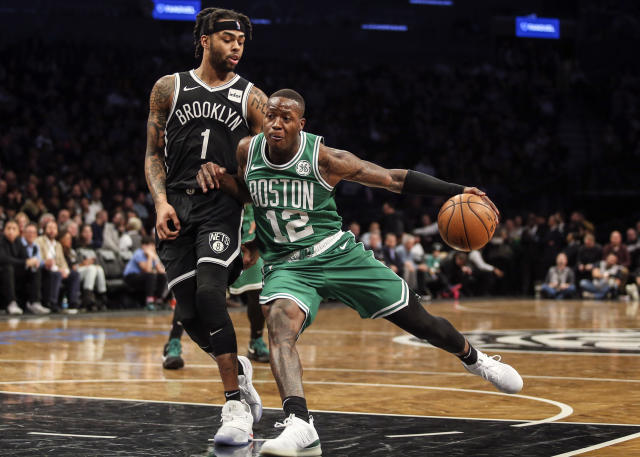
(250, 283)
(290, 177)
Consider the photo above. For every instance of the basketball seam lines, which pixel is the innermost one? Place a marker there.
(463, 225)
(446, 233)
(481, 204)
(480, 219)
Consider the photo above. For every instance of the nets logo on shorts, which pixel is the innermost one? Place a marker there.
(303, 168)
(219, 242)
(618, 341)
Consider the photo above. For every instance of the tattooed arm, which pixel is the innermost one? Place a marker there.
(256, 110)
(154, 168)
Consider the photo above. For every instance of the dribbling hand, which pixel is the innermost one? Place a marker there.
(250, 255)
(487, 200)
(165, 213)
(209, 176)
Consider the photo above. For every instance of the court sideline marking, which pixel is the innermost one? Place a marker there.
(599, 446)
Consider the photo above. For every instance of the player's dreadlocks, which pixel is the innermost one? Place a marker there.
(208, 16)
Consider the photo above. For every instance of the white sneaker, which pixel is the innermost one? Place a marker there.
(14, 309)
(504, 377)
(247, 391)
(237, 424)
(37, 308)
(299, 439)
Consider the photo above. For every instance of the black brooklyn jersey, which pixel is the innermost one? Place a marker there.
(205, 124)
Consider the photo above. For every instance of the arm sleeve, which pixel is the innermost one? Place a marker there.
(422, 184)
(427, 230)
(476, 258)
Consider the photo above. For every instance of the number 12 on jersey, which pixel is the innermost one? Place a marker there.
(205, 143)
(291, 227)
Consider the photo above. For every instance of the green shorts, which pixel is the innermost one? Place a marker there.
(346, 272)
(250, 279)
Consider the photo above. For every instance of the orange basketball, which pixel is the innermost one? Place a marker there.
(466, 222)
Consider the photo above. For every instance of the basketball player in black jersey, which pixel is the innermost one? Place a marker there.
(195, 117)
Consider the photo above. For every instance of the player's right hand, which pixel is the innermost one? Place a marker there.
(209, 176)
(165, 213)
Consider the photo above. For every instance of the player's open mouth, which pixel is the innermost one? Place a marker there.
(233, 60)
(276, 137)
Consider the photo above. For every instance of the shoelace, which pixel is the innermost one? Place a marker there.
(288, 421)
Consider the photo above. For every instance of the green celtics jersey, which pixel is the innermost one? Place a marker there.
(294, 208)
(247, 219)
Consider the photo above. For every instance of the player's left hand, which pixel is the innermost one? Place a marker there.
(487, 200)
(250, 255)
(209, 176)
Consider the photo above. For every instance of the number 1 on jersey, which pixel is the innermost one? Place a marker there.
(205, 143)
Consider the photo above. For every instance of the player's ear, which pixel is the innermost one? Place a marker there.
(204, 41)
(303, 121)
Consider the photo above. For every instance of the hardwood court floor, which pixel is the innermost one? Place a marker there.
(580, 361)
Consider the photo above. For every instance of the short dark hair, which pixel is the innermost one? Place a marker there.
(208, 16)
(148, 240)
(291, 95)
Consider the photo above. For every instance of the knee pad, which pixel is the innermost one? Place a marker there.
(212, 309)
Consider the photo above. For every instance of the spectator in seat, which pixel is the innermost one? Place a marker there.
(485, 273)
(560, 279)
(391, 220)
(405, 253)
(391, 257)
(131, 239)
(145, 273)
(354, 228)
(457, 274)
(616, 247)
(18, 271)
(84, 260)
(589, 255)
(633, 246)
(56, 269)
(113, 231)
(375, 245)
(606, 279)
(97, 228)
(374, 227)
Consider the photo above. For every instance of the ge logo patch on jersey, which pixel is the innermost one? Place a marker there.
(219, 242)
(235, 95)
(303, 168)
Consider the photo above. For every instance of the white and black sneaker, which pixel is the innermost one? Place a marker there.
(14, 309)
(37, 308)
(504, 377)
(298, 439)
(247, 392)
(237, 424)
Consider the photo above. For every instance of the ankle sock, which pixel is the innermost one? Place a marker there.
(470, 357)
(297, 406)
(232, 395)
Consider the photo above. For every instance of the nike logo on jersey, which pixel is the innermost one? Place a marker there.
(344, 245)
(186, 89)
(213, 333)
(254, 167)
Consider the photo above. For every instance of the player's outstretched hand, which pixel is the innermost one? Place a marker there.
(209, 176)
(487, 200)
(165, 213)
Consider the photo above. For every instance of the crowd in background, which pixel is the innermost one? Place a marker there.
(73, 141)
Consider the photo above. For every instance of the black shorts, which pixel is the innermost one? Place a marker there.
(210, 226)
